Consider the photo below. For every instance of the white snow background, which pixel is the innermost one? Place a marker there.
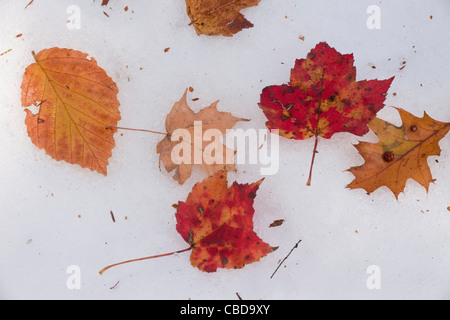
(54, 215)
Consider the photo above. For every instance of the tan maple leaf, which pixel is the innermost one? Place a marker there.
(219, 17)
(182, 117)
(77, 101)
(401, 153)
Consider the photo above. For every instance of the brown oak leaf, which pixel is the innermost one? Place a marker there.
(400, 154)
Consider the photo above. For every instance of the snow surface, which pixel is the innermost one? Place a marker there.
(54, 215)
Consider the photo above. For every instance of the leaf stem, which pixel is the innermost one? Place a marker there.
(312, 162)
(141, 130)
(146, 258)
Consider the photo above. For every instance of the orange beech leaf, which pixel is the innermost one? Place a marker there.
(323, 98)
(182, 117)
(77, 101)
(219, 17)
(217, 223)
(400, 154)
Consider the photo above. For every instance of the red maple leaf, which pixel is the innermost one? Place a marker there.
(323, 98)
(217, 223)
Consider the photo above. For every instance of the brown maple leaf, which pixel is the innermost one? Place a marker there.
(219, 17)
(77, 100)
(182, 117)
(400, 154)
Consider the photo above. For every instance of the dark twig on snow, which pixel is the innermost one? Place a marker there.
(295, 247)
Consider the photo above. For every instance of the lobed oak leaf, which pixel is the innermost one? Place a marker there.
(77, 101)
(217, 222)
(323, 98)
(182, 117)
(219, 17)
(400, 154)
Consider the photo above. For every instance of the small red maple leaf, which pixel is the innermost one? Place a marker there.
(217, 223)
(323, 98)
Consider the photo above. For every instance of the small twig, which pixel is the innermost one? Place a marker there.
(295, 247)
(7, 51)
(238, 296)
(29, 4)
(114, 285)
(112, 217)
